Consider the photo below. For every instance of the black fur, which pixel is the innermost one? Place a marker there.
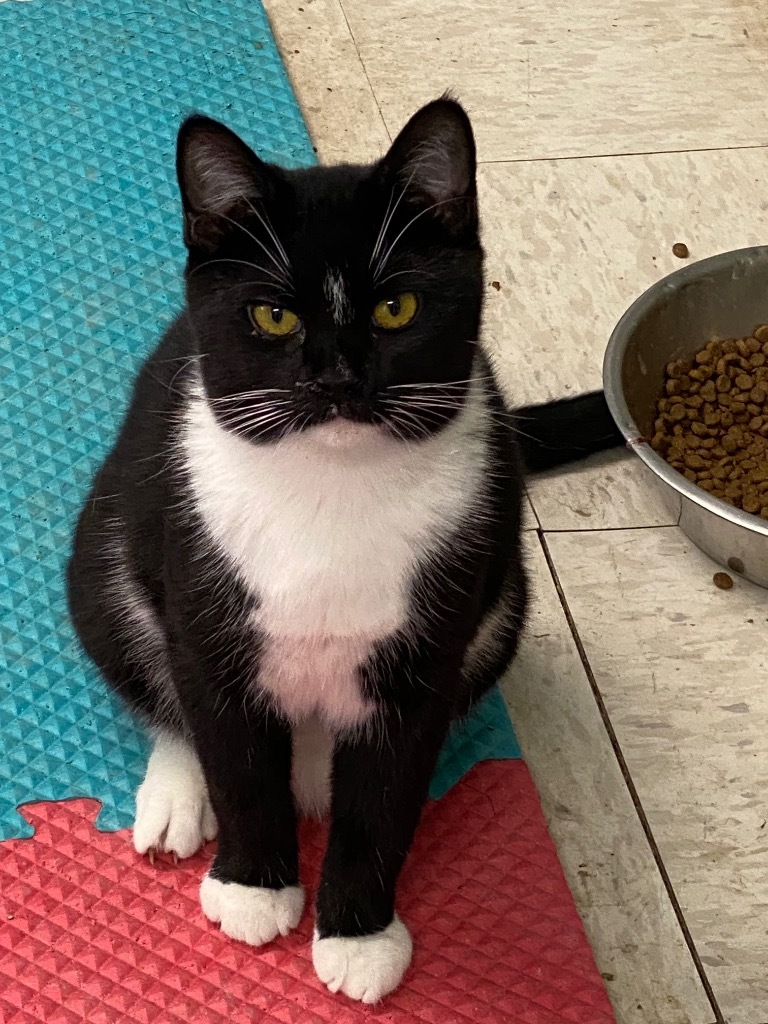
(139, 511)
(565, 431)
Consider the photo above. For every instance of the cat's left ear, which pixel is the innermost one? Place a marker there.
(434, 160)
(218, 176)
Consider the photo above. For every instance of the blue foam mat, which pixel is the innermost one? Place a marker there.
(486, 734)
(91, 95)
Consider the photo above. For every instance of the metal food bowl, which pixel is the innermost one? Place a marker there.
(725, 296)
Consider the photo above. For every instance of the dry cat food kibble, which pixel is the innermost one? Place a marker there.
(712, 421)
(723, 581)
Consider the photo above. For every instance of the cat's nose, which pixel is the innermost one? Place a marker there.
(336, 380)
(337, 376)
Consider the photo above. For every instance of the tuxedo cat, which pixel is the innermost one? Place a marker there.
(301, 559)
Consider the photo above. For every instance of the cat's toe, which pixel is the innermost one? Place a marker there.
(173, 811)
(365, 968)
(249, 913)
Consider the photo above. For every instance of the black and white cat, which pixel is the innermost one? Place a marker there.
(301, 560)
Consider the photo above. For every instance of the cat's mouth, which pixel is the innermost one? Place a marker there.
(396, 421)
(352, 412)
(344, 423)
(337, 409)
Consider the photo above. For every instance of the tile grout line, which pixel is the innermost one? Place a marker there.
(618, 753)
(610, 156)
(538, 527)
(608, 529)
(272, 23)
(365, 69)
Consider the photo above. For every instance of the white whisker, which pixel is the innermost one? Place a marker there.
(388, 219)
(244, 263)
(444, 383)
(428, 403)
(405, 417)
(245, 395)
(267, 224)
(383, 261)
(392, 425)
(176, 359)
(253, 417)
(181, 369)
(258, 429)
(283, 272)
(253, 408)
(389, 277)
(382, 229)
(295, 425)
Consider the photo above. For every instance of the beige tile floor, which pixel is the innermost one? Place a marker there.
(607, 131)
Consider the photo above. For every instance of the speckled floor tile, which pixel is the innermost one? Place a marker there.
(547, 79)
(571, 244)
(682, 667)
(329, 80)
(637, 940)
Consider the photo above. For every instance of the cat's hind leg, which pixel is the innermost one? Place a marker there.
(121, 631)
(173, 811)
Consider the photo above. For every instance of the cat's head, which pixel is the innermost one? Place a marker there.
(333, 296)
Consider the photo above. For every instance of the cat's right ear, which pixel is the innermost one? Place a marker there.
(433, 161)
(218, 175)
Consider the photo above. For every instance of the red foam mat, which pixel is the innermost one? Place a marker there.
(91, 932)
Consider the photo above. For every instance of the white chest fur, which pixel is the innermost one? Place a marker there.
(327, 528)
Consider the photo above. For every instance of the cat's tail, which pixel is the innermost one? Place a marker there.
(564, 431)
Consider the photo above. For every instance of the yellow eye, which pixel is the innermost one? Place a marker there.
(393, 313)
(274, 320)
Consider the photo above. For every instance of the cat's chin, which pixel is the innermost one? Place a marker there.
(342, 434)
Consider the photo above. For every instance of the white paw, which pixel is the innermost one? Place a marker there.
(365, 968)
(249, 913)
(173, 812)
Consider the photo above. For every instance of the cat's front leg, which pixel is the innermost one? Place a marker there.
(252, 889)
(380, 784)
(173, 810)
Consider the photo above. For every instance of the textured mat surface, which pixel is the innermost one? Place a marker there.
(91, 932)
(485, 735)
(91, 94)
